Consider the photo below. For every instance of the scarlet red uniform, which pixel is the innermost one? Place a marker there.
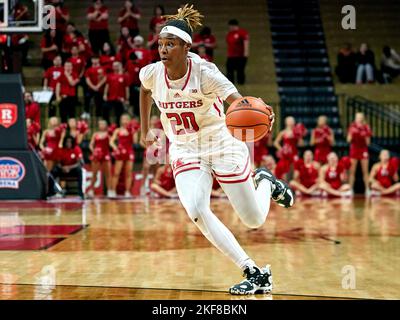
(235, 40)
(125, 146)
(167, 181)
(95, 74)
(32, 111)
(69, 157)
(322, 144)
(53, 75)
(52, 139)
(384, 176)
(117, 84)
(308, 175)
(66, 88)
(358, 146)
(332, 176)
(101, 151)
(288, 154)
(32, 131)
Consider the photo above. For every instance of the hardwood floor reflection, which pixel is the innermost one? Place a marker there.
(149, 249)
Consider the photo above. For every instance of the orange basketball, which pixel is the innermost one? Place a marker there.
(248, 119)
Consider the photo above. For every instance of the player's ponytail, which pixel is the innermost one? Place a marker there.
(187, 19)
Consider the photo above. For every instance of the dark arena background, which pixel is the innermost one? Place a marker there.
(75, 227)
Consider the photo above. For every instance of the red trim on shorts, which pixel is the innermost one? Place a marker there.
(235, 181)
(188, 169)
(219, 111)
(233, 174)
(186, 164)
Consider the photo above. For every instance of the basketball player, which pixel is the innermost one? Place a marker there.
(305, 180)
(384, 177)
(332, 177)
(189, 92)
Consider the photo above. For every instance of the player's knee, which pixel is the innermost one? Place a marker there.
(254, 221)
(196, 210)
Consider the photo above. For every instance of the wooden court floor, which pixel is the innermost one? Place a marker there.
(149, 249)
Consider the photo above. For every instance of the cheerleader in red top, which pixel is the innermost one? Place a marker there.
(261, 149)
(123, 153)
(384, 177)
(74, 130)
(49, 143)
(164, 183)
(305, 180)
(100, 158)
(323, 139)
(33, 131)
(332, 177)
(291, 138)
(359, 137)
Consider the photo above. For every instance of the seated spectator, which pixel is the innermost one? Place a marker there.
(206, 39)
(32, 108)
(390, 64)
(116, 93)
(346, 64)
(95, 77)
(101, 157)
(323, 138)
(261, 149)
(157, 18)
(69, 165)
(305, 179)
(164, 183)
(152, 43)
(365, 61)
(332, 178)
(98, 16)
(107, 57)
(384, 177)
(66, 92)
(129, 17)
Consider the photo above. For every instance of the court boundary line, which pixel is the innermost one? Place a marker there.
(191, 290)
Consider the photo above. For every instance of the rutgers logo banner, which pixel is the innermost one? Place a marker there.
(8, 114)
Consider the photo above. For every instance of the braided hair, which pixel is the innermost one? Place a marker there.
(187, 19)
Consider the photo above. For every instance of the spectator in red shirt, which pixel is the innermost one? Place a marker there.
(107, 57)
(206, 39)
(116, 93)
(359, 137)
(129, 16)
(66, 93)
(152, 43)
(62, 17)
(50, 48)
(142, 54)
(78, 62)
(95, 77)
(237, 41)
(51, 78)
(125, 44)
(201, 51)
(85, 50)
(159, 12)
(133, 67)
(98, 16)
(70, 164)
(32, 108)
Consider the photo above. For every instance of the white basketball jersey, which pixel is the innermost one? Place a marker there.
(187, 113)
